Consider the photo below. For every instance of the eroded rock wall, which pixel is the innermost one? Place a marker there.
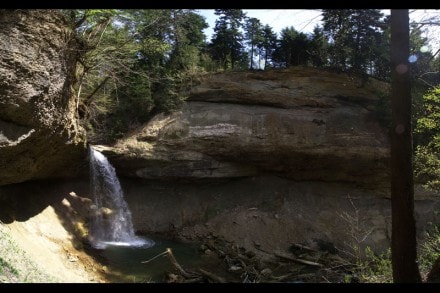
(39, 134)
(300, 123)
(272, 213)
(272, 158)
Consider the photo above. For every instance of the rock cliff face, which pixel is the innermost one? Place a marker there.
(273, 158)
(39, 136)
(301, 123)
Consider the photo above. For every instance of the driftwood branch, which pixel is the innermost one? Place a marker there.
(194, 280)
(153, 258)
(177, 265)
(288, 257)
(283, 277)
(303, 247)
(189, 276)
(211, 276)
(298, 260)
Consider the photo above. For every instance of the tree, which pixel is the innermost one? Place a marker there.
(318, 47)
(187, 39)
(253, 35)
(366, 25)
(353, 34)
(268, 44)
(133, 63)
(108, 68)
(171, 40)
(90, 27)
(336, 28)
(403, 241)
(427, 157)
(152, 31)
(293, 48)
(381, 53)
(226, 46)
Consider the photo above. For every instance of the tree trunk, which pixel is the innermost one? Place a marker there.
(252, 55)
(403, 241)
(265, 57)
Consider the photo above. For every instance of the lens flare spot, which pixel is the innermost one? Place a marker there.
(412, 58)
(425, 49)
(401, 68)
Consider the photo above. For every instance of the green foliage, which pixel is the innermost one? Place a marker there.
(134, 103)
(379, 64)
(430, 248)
(186, 57)
(375, 268)
(254, 36)
(268, 44)
(318, 47)
(354, 35)
(293, 48)
(188, 39)
(226, 44)
(428, 125)
(427, 157)
(134, 63)
(336, 28)
(167, 97)
(427, 166)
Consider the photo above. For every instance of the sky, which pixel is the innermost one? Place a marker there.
(301, 19)
(304, 20)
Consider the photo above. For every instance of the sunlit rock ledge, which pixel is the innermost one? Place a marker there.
(299, 123)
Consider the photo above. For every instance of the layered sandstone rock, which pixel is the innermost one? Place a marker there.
(300, 123)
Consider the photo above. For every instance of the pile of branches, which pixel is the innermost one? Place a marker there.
(233, 263)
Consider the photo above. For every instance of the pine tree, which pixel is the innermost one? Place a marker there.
(318, 48)
(353, 35)
(293, 48)
(268, 44)
(253, 35)
(226, 44)
(187, 39)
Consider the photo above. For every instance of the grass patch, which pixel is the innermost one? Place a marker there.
(15, 265)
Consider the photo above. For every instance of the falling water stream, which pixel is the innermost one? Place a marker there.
(112, 234)
(111, 223)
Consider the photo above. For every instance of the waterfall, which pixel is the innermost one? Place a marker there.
(111, 222)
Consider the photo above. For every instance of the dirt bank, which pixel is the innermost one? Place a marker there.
(42, 236)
